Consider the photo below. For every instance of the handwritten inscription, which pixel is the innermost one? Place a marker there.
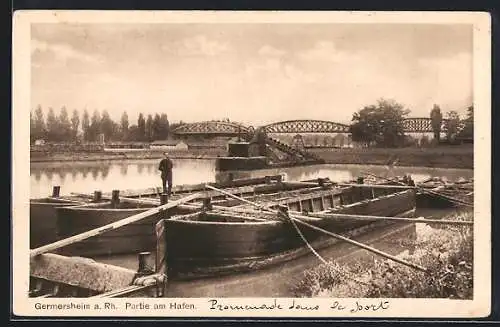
(297, 305)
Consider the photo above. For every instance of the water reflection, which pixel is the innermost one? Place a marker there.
(106, 176)
(134, 174)
(37, 174)
(105, 172)
(95, 172)
(123, 169)
(74, 172)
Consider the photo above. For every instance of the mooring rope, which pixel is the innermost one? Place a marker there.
(307, 243)
(345, 274)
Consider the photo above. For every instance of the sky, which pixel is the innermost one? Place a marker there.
(250, 73)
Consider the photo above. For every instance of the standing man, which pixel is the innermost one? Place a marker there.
(166, 173)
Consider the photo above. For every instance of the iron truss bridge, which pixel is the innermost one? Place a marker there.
(411, 125)
(213, 128)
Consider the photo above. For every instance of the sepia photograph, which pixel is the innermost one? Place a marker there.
(251, 164)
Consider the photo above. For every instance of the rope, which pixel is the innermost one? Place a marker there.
(307, 243)
(318, 255)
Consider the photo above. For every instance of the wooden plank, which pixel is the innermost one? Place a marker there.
(125, 291)
(374, 186)
(407, 220)
(361, 245)
(112, 226)
(80, 272)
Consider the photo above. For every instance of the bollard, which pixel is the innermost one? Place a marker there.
(283, 212)
(97, 196)
(55, 191)
(207, 204)
(163, 198)
(115, 198)
(144, 268)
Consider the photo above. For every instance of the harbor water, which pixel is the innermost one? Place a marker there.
(86, 177)
(274, 281)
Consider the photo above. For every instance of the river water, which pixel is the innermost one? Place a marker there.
(86, 177)
(275, 281)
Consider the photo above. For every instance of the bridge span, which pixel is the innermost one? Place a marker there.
(223, 128)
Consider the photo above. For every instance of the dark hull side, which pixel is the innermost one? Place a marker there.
(204, 247)
(133, 238)
(43, 220)
(426, 200)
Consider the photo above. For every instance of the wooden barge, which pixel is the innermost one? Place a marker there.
(214, 233)
(242, 239)
(48, 221)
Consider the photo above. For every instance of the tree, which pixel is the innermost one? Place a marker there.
(124, 125)
(452, 124)
(164, 126)
(38, 131)
(141, 126)
(75, 122)
(149, 128)
(52, 125)
(95, 126)
(133, 133)
(64, 130)
(86, 125)
(107, 125)
(424, 141)
(156, 127)
(436, 121)
(32, 126)
(380, 124)
(468, 122)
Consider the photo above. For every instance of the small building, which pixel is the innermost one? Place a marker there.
(169, 145)
(40, 142)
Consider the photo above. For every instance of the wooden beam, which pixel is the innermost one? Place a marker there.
(112, 226)
(373, 186)
(80, 272)
(361, 245)
(399, 219)
(127, 290)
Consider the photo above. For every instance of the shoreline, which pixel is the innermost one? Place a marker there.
(440, 157)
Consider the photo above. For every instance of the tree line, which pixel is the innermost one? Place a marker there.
(86, 128)
(382, 124)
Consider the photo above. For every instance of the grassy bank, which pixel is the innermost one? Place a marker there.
(438, 157)
(446, 251)
(105, 156)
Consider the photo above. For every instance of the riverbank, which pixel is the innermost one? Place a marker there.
(446, 251)
(438, 157)
(103, 156)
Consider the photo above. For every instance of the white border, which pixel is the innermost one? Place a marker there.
(479, 307)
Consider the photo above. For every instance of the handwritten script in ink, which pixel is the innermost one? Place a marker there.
(358, 306)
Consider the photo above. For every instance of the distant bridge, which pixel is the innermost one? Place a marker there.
(221, 128)
(213, 128)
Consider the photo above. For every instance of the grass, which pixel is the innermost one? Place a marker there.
(437, 157)
(446, 251)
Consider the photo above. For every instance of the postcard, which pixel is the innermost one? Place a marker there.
(251, 164)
